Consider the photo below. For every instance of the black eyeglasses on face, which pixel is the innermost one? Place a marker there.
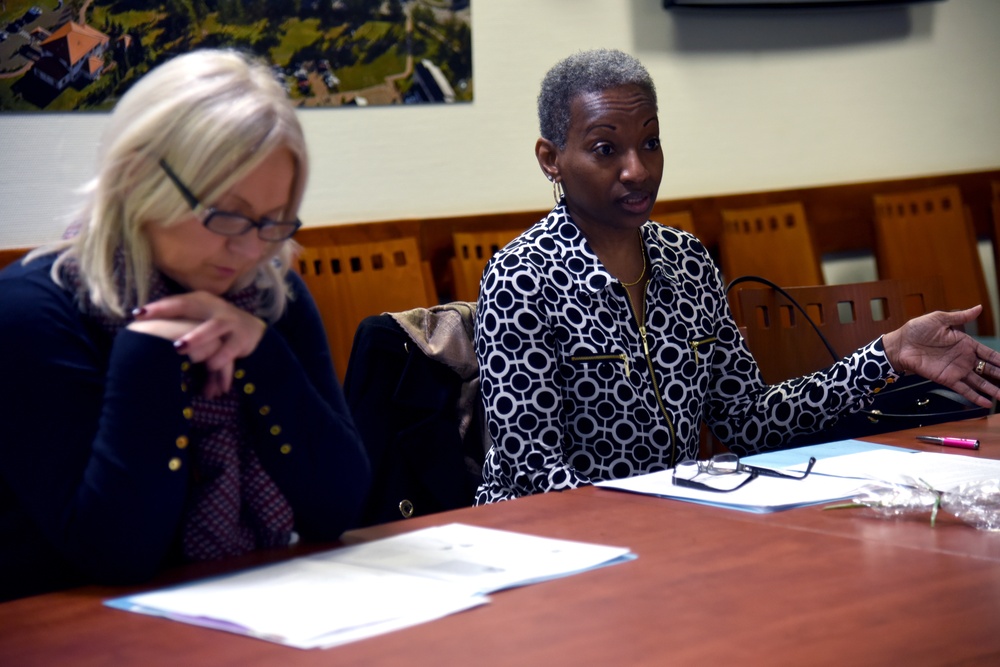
(228, 223)
(727, 464)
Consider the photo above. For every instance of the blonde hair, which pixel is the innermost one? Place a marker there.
(213, 116)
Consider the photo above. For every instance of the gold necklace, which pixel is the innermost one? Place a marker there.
(642, 249)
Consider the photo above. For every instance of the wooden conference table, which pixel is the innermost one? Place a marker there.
(710, 587)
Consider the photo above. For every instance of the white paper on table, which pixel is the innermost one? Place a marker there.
(796, 458)
(941, 471)
(485, 559)
(306, 602)
(346, 594)
(764, 494)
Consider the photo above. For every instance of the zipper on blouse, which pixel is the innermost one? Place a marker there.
(695, 344)
(652, 376)
(604, 357)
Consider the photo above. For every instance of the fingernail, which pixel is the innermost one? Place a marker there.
(137, 312)
(179, 345)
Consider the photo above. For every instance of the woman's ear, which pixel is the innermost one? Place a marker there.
(548, 159)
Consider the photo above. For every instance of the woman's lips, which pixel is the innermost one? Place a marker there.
(636, 202)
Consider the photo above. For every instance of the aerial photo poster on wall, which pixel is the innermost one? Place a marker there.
(82, 55)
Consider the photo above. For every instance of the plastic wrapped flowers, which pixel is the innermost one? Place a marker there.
(975, 503)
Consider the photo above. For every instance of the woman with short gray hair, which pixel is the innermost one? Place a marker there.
(605, 340)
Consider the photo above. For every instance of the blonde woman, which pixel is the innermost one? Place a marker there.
(170, 395)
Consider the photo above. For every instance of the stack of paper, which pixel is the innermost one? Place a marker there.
(940, 471)
(841, 469)
(360, 591)
(762, 495)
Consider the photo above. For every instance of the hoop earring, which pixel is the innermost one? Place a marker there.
(557, 191)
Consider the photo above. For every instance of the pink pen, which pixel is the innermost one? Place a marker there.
(964, 443)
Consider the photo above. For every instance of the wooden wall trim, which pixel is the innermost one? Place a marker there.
(840, 216)
(8, 255)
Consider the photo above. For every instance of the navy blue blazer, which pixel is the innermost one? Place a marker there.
(94, 455)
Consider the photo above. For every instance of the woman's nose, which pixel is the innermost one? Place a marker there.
(248, 245)
(633, 168)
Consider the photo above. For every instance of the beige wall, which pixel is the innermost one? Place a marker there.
(749, 101)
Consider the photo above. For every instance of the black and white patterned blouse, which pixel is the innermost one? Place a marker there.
(569, 391)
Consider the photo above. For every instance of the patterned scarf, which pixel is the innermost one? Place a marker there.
(233, 506)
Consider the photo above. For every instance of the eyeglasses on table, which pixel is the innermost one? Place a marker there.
(727, 464)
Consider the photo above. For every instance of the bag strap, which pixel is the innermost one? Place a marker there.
(764, 281)
(874, 414)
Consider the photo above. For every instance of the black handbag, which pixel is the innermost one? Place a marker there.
(910, 402)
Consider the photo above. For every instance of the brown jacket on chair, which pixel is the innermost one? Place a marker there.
(414, 396)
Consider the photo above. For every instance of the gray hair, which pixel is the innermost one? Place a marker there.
(214, 116)
(585, 72)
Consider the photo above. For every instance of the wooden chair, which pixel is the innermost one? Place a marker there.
(473, 249)
(928, 232)
(773, 242)
(682, 220)
(785, 345)
(351, 282)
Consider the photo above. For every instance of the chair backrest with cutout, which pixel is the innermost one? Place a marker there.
(473, 249)
(351, 282)
(682, 220)
(849, 316)
(928, 232)
(773, 242)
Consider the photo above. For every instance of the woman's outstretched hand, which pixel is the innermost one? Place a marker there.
(207, 329)
(934, 346)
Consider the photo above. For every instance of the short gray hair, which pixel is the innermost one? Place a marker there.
(214, 116)
(585, 72)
